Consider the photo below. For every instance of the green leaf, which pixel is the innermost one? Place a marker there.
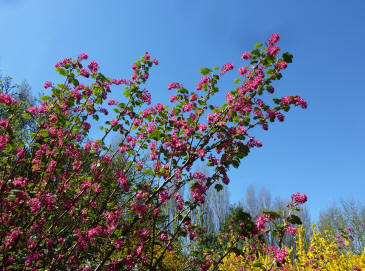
(293, 219)
(56, 91)
(27, 116)
(45, 98)
(258, 45)
(236, 162)
(205, 71)
(218, 187)
(11, 198)
(44, 132)
(127, 93)
(61, 71)
(237, 80)
(148, 171)
(255, 53)
(288, 58)
(269, 71)
(257, 264)
(272, 214)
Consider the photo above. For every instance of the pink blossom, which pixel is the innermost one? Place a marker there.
(84, 73)
(246, 55)
(155, 212)
(93, 67)
(12, 237)
(298, 198)
(280, 255)
(260, 223)
(193, 97)
(173, 98)
(281, 65)
(273, 50)
(4, 124)
(83, 56)
(291, 230)
(114, 123)
(187, 107)
(112, 102)
(6, 99)
(175, 85)
(203, 81)
(63, 62)
(163, 196)
(242, 70)
(226, 67)
(47, 84)
(274, 38)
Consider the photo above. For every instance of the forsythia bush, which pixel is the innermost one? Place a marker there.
(326, 252)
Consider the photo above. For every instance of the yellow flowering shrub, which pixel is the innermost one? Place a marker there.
(324, 253)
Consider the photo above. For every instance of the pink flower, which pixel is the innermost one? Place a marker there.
(193, 97)
(112, 102)
(226, 67)
(274, 38)
(12, 237)
(163, 196)
(93, 67)
(175, 85)
(350, 229)
(201, 153)
(47, 84)
(84, 73)
(242, 70)
(246, 55)
(187, 107)
(298, 198)
(281, 65)
(260, 223)
(147, 56)
(173, 98)
(155, 61)
(202, 127)
(280, 255)
(114, 123)
(273, 50)
(155, 212)
(4, 124)
(291, 230)
(83, 56)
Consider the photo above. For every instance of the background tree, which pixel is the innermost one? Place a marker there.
(21, 93)
(344, 214)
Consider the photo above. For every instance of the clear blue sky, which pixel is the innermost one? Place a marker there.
(318, 151)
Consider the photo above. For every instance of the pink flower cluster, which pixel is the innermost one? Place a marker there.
(175, 85)
(6, 99)
(226, 67)
(203, 81)
(298, 198)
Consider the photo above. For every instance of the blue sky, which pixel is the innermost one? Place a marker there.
(318, 151)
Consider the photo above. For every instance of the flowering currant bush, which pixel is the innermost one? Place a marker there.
(68, 203)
